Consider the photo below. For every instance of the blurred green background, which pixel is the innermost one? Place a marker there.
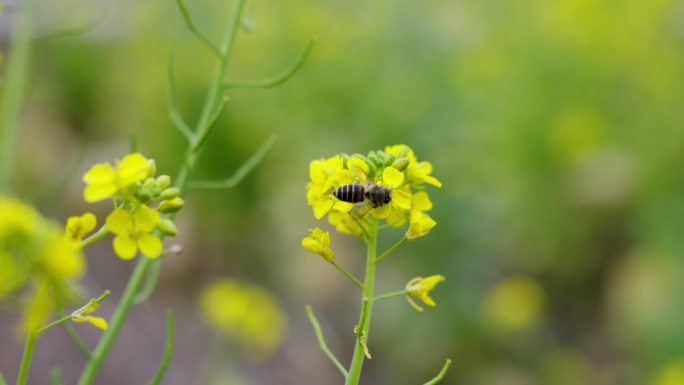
(555, 127)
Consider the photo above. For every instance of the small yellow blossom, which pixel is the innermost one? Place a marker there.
(104, 181)
(420, 225)
(401, 197)
(134, 232)
(83, 314)
(318, 242)
(59, 258)
(17, 218)
(326, 175)
(416, 172)
(77, 228)
(345, 223)
(420, 288)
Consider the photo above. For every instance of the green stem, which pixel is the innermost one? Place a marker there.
(441, 374)
(168, 350)
(211, 99)
(390, 295)
(31, 339)
(94, 238)
(120, 314)
(15, 86)
(135, 282)
(391, 249)
(321, 341)
(347, 274)
(366, 307)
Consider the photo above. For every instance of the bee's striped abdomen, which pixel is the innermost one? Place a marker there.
(352, 193)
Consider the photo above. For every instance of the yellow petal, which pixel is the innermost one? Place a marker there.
(146, 219)
(132, 168)
(88, 223)
(421, 201)
(322, 207)
(98, 322)
(420, 225)
(341, 206)
(150, 245)
(125, 247)
(397, 218)
(401, 198)
(101, 173)
(97, 192)
(382, 212)
(316, 172)
(392, 178)
(312, 245)
(432, 180)
(358, 167)
(120, 221)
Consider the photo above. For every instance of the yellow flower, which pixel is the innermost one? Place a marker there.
(401, 196)
(318, 242)
(420, 225)
(134, 231)
(672, 373)
(326, 175)
(82, 314)
(59, 258)
(345, 223)
(246, 313)
(416, 172)
(420, 288)
(104, 181)
(17, 218)
(78, 227)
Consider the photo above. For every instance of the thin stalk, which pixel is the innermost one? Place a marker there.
(168, 350)
(321, 341)
(14, 88)
(390, 295)
(135, 282)
(120, 314)
(26, 358)
(391, 249)
(366, 307)
(347, 274)
(94, 238)
(441, 374)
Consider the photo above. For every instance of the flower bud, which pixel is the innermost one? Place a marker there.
(163, 181)
(400, 163)
(171, 205)
(170, 193)
(152, 169)
(167, 227)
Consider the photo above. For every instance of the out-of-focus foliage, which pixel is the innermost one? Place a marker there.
(555, 128)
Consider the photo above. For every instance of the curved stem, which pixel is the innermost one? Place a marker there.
(280, 78)
(441, 374)
(321, 341)
(168, 350)
(14, 88)
(94, 238)
(366, 308)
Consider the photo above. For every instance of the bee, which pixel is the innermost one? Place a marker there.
(374, 194)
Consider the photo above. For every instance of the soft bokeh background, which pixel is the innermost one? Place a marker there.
(555, 126)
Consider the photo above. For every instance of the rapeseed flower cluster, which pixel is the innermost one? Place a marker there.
(139, 200)
(35, 253)
(395, 168)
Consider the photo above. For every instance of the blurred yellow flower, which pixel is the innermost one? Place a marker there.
(420, 288)
(77, 228)
(17, 218)
(104, 181)
(134, 232)
(59, 258)
(246, 313)
(318, 242)
(672, 373)
(514, 304)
